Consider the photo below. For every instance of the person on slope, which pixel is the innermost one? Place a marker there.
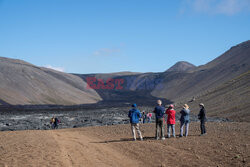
(202, 118)
(134, 115)
(159, 116)
(144, 117)
(184, 120)
(171, 120)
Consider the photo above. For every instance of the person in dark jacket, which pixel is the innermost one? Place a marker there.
(54, 122)
(144, 117)
(202, 118)
(57, 121)
(135, 115)
(184, 120)
(159, 116)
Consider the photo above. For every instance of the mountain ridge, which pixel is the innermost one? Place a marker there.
(181, 66)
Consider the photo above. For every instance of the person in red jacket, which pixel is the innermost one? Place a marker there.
(171, 120)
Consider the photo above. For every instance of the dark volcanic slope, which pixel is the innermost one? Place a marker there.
(24, 83)
(229, 65)
(134, 87)
(181, 81)
(229, 100)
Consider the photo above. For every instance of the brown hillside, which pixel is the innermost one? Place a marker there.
(24, 83)
(229, 65)
(229, 100)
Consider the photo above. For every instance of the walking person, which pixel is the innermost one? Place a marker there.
(134, 115)
(159, 114)
(184, 120)
(202, 118)
(171, 120)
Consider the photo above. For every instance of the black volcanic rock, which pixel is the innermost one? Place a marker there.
(182, 66)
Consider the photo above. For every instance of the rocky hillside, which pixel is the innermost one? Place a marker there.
(24, 83)
(181, 81)
(179, 85)
(229, 100)
(182, 66)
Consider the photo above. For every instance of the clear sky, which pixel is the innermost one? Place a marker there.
(90, 36)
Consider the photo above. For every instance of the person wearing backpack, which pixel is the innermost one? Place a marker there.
(184, 120)
(171, 120)
(202, 118)
(134, 115)
(159, 116)
(57, 121)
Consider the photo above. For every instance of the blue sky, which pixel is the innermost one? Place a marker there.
(97, 36)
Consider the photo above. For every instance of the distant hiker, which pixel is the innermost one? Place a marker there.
(144, 117)
(134, 115)
(57, 121)
(171, 120)
(149, 115)
(202, 118)
(159, 114)
(54, 122)
(184, 120)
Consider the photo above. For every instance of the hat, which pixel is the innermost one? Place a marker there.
(201, 104)
(171, 106)
(134, 105)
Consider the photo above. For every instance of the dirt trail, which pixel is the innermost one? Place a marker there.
(82, 150)
(227, 144)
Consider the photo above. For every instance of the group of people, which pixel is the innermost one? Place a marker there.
(159, 111)
(54, 122)
(146, 118)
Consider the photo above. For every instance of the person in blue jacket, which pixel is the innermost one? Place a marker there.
(134, 115)
(184, 120)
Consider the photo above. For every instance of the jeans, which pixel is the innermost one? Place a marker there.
(172, 126)
(159, 125)
(203, 128)
(186, 128)
(136, 127)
